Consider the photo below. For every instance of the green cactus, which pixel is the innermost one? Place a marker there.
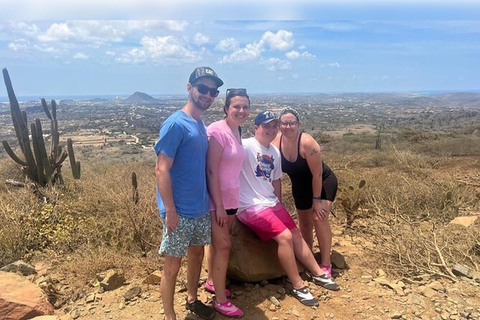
(73, 163)
(351, 200)
(136, 197)
(40, 167)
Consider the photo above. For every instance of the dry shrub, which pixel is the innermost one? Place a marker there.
(401, 206)
(96, 211)
(409, 249)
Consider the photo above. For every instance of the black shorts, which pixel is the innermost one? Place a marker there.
(303, 193)
(231, 212)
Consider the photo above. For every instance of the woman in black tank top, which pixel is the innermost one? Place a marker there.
(314, 185)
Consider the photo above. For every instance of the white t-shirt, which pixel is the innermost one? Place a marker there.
(261, 167)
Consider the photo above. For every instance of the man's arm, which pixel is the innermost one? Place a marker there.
(162, 172)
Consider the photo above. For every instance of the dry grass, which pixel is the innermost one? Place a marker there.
(410, 195)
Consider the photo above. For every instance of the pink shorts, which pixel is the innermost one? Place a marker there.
(269, 222)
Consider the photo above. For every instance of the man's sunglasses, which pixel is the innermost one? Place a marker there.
(203, 89)
(237, 92)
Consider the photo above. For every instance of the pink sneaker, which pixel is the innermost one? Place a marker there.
(228, 309)
(327, 270)
(210, 288)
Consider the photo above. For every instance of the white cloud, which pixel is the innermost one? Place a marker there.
(110, 53)
(228, 44)
(302, 47)
(57, 32)
(330, 65)
(308, 55)
(274, 64)
(18, 45)
(80, 56)
(23, 28)
(200, 39)
(295, 76)
(160, 50)
(251, 52)
(292, 55)
(282, 40)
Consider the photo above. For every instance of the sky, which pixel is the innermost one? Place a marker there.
(117, 49)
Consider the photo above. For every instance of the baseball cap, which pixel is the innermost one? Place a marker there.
(265, 117)
(200, 72)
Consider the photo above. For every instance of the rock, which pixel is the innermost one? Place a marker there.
(463, 271)
(90, 298)
(437, 286)
(396, 315)
(21, 299)
(113, 279)
(466, 221)
(427, 291)
(153, 278)
(338, 260)
(132, 293)
(20, 267)
(46, 318)
(261, 256)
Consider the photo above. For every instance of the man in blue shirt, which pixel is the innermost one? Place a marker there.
(182, 191)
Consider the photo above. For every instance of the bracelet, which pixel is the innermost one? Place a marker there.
(317, 198)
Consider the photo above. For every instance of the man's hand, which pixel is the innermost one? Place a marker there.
(171, 220)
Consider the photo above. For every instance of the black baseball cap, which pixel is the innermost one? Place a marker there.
(201, 72)
(265, 117)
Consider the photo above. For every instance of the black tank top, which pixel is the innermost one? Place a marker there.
(299, 171)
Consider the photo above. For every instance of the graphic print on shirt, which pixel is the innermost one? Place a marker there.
(265, 166)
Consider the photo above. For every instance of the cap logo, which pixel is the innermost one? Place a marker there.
(269, 114)
(209, 71)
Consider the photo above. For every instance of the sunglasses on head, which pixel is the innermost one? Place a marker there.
(237, 92)
(203, 89)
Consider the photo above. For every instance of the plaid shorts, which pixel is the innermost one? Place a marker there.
(189, 232)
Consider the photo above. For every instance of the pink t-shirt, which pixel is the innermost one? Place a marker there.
(230, 163)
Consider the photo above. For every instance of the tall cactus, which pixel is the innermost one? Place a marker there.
(73, 163)
(42, 168)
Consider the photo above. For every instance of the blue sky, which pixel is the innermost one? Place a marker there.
(273, 53)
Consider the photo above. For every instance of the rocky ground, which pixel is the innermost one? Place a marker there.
(366, 293)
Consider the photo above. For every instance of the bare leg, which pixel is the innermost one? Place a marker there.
(324, 234)
(167, 284)
(211, 250)
(286, 256)
(304, 254)
(305, 221)
(222, 244)
(194, 267)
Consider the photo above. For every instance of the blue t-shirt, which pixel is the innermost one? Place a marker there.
(184, 139)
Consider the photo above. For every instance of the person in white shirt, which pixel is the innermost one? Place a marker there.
(261, 210)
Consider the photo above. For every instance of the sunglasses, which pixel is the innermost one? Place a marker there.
(237, 92)
(289, 123)
(203, 89)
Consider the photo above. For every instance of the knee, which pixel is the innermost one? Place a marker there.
(286, 237)
(222, 245)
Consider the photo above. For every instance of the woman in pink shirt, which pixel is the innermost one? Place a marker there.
(224, 161)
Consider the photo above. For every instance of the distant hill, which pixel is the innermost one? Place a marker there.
(140, 97)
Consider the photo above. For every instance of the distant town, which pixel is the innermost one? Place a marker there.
(135, 120)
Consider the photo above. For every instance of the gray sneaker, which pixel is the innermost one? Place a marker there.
(325, 282)
(304, 296)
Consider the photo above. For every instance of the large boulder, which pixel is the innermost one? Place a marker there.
(20, 299)
(251, 259)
